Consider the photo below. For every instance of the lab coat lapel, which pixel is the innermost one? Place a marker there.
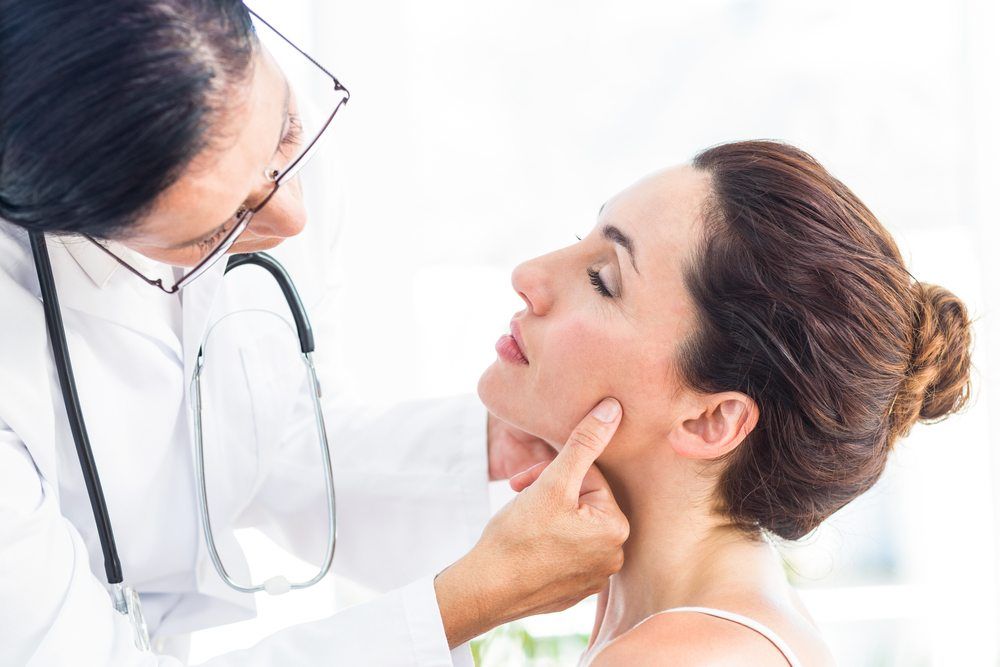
(117, 296)
(198, 299)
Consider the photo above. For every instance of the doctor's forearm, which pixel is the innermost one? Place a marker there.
(470, 600)
(555, 543)
(492, 584)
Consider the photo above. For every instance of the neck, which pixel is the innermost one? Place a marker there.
(679, 552)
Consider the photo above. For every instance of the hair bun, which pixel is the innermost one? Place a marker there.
(937, 381)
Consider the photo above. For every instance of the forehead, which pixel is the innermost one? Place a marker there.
(662, 213)
(231, 167)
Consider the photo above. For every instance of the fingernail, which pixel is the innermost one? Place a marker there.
(607, 410)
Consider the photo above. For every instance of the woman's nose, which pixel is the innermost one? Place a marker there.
(531, 282)
(284, 214)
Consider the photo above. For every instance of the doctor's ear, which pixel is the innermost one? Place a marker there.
(715, 425)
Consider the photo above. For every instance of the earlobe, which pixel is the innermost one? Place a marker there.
(722, 423)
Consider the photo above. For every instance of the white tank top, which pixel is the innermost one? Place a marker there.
(760, 628)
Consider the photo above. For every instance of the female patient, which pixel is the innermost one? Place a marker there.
(768, 347)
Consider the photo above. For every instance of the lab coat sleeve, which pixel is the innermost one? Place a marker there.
(54, 610)
(411, 487)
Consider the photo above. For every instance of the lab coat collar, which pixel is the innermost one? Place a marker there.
(96, 263)
(102, 267)
(91, 282)
(197, 296)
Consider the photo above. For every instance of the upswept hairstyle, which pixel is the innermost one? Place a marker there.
(804, 304)
(103, 104)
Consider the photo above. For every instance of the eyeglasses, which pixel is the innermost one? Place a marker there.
(312, 77)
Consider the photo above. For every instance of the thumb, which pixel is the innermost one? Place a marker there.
(526, 478)
(587, 441)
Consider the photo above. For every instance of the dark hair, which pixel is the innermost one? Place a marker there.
(805, 305)
(102, 104)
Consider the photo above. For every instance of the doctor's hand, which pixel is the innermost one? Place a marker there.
(510, 450)
(557, 542)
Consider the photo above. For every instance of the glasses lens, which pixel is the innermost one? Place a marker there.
(218, 253)
(314, 97)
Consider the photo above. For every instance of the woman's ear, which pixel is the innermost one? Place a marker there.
(715, 425)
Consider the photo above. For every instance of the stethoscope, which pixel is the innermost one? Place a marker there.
(125, 599)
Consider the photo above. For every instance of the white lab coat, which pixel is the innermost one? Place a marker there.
(410, 481)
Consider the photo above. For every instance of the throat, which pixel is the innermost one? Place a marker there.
(680, 559)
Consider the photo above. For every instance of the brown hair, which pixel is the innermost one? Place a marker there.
(804, 304)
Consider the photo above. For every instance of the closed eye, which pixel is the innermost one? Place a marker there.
(293, 134)
(598, 283)
(206, 245)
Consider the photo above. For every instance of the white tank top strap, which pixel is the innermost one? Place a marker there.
(760, 628)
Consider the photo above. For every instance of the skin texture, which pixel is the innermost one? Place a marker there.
(661, 464)
(517, 568)
(621, 346)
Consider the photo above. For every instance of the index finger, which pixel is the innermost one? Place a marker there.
(585, 444)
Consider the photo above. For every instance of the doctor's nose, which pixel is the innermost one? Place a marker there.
(531, 281)
(283, 216)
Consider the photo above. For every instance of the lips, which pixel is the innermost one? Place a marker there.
(510, 348)
(515, 332)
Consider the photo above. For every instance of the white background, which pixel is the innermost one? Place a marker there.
(482, 134)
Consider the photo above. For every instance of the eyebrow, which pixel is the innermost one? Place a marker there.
(619, 237)
(277, 147)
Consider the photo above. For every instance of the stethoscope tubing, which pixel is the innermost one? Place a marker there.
(277, 584)
(74, 413)
(125, 600)
(302, 326)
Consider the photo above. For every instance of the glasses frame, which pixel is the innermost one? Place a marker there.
(245, 214)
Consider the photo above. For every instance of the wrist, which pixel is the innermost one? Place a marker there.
(469, 599)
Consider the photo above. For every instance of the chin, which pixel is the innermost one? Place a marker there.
(508, 403)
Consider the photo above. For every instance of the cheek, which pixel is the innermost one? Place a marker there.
(181, 257)
(576, 362)
(578, 358)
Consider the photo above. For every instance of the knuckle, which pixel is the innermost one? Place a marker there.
(622, 532)
(612, 564)
(615, 530)
(587, 438)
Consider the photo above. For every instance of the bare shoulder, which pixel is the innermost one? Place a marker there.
(700, 640)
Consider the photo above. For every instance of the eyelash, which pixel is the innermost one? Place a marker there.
(209, 244)
(598, 283)
(294, 132)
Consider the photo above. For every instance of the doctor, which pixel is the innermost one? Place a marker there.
(142, 136)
